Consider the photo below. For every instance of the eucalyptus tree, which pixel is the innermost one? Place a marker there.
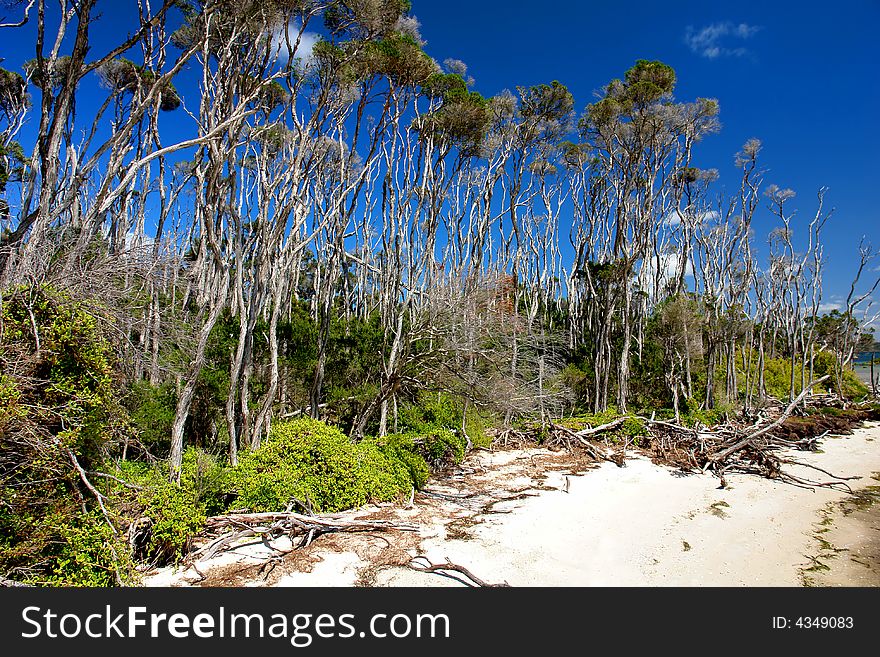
(432, 139)
(235, 54)
(796, 283)
(382, 67)
(640, 142)
(58, 170)
(724, 272)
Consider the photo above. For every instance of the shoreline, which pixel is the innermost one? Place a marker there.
(533, 517)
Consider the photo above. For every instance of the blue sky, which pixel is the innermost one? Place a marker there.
(799, 76)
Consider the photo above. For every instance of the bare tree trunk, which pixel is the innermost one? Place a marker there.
(186, 394)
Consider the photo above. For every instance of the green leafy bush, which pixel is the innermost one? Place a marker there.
(151, 412)
(433, 412)
(86, 553)
(317, 465)
(851, 387)
(177, 511)
(177, 515)
(403, 448)
(57, 405)
(442, 447)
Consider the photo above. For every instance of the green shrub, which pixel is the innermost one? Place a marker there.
(634, 427)
(177, 512)
(177, 516)
(442, 447)
(85, 553)
(440, 411)
(430, 411)
(852, 387)
(151, 411)
(403, 448)
(692, 414)
(308, 461)
(57, 403)
(207, 477)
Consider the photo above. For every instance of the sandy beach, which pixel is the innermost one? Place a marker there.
(538, 518)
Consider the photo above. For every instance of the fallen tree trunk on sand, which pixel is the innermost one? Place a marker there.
(235, 527)
(748, 440)
(734, 446)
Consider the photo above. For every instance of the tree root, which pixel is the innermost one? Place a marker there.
(234, 527)
(447, 569)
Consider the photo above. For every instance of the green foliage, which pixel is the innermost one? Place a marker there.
(13, 92)
(124, 76)
(462, 120)
(177, 515)
(10, 396)
(648, 81)
(852, 387)
(85, 553)
(58, 371)
(177, 511)
(777, 378)
(151, 411)
(443, 447)
(825, 363)
(48, 75)
(431, 412)
(692, 414)
(404, 448)
(12, 161)
(353, 368)
(633, 427)
(644, 85)
(308, 462)
(58, 404)
(364, 18)
(445, 86)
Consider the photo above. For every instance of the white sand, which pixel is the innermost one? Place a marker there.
(641, 525)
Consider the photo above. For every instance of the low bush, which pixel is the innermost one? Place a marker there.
(308, 463)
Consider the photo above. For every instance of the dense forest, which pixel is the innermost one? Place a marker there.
(269, 254)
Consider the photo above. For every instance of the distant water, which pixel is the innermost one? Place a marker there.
(864, 372)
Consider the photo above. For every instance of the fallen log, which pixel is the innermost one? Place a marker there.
(334, 522)
(12, 584)
(748, 440)
(584, 433)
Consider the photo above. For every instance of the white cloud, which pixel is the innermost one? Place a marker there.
(285, 34)
(675, 218)
(667, 265)
(718, 39)
(829, 306)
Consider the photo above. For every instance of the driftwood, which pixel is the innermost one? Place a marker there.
(446, 570)
(740, 445)
(234, 527)
(12, 584)
(748, 440)
(602, 428)
(563, 435)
